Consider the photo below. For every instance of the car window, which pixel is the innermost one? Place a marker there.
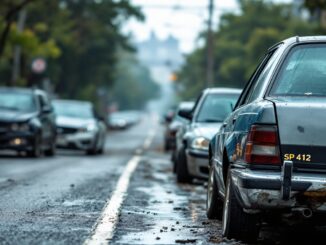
(216, 107)
(261, 78)
(252, 81)
(17, 101)
(303, 72)
(73, 109)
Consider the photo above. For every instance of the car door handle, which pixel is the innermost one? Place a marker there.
(234, 119)
(224, 125)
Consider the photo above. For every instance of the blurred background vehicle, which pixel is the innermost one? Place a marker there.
(27, 121)
(205, 119)
(123, 119)
(172, 127)
(169, 115)
(79, 126)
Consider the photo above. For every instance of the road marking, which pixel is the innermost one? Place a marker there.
(105, 226)
(149, 139)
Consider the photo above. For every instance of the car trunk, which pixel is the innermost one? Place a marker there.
(302, 131)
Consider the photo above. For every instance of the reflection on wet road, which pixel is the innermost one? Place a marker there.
(61, 200)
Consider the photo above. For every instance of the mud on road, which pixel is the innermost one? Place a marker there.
(159, 211)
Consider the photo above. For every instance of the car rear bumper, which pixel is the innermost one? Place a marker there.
(79, 141)
(270, 189)
(19, 141)
(197, 162)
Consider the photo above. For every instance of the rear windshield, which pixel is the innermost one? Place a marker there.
(216, 107)
(303, 72)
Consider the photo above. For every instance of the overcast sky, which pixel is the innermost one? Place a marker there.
(184, 19)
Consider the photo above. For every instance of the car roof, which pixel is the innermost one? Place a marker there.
(298, 39)
(222, 91)
(186, 104)
(81, 102)
(21, 90)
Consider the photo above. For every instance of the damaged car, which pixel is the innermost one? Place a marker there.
(268, 160)
(79, 126)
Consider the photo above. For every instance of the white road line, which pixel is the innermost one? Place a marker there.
(149, 139)
(105, 225)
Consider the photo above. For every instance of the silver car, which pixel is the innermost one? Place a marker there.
(79, 127)
(204, 120)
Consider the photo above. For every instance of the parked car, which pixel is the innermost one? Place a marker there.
(172, 127)
(79, 126)
(123, 119)
(205, 119)
(169, 115)
(268, 161)
(27, 121)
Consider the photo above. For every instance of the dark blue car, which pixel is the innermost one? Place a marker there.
(268, 161)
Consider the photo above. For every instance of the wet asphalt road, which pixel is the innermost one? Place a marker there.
(59, 200)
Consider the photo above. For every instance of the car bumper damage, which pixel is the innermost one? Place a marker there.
(257, 190)
(81, 141)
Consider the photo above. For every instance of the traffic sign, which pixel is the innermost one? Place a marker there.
(38, 65)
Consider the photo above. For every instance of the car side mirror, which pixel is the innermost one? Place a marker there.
(100, 118)
(185, 113)
(47, 109)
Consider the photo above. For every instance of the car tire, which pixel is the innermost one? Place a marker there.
(101, 149)
(182, 168)
(52, 150)
(236, 224)
(36, 152)
(173, 160)
(166, 145)
(91, 152)
(214, 203)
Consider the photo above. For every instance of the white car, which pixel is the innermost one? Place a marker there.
(79, 127)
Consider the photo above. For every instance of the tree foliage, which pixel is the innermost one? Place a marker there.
(133, 85)
(241, 40)
(79, 40)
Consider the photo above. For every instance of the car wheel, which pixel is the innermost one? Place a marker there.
(173, 160)
(166, 145)
(101, 149)
(91, 152)
(235, 222)
(36, 151)
(52, 150)
(182, 168)
(214, 203)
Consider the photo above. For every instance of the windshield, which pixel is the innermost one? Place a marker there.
(303, 72)
(17, 101)
(216, 107)
(75, 110)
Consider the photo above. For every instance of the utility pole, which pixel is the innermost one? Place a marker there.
(17, 51)
(209, 46)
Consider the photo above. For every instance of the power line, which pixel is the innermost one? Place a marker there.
(182, 7)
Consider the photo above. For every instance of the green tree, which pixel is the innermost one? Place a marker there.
(241, 40)
(133, 85)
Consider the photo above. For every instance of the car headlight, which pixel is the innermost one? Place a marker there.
(91, 127)
(200, 143)
(88, 128)
(20, 127)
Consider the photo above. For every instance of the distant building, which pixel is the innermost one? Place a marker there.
(156, 52)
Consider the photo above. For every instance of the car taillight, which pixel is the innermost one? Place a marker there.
(262, 145)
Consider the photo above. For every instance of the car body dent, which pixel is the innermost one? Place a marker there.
(228, 145)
